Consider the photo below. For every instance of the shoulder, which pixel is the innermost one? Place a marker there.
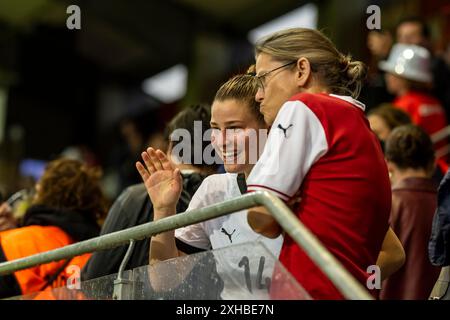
(128, 208)
(33, 239)
(30, 231)
(213, 189)
(132, 193)
(315, 100)
(302, 115)
(306, 97)
(219, 181)
(320, 105)
(131, 198)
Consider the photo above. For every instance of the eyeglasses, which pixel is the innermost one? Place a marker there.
(261, 79)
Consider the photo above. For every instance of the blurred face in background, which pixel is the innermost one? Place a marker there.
(379, 127)
(396, 85)
(410, 33)
(379, 43)
(232, 123)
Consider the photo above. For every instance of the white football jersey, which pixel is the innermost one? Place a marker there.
(238, 271)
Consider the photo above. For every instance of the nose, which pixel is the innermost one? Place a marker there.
(220, 139)
(259, 97)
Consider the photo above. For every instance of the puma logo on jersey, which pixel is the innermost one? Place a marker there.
(284, 129)
(228, 234)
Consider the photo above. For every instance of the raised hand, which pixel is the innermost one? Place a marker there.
(162, 181)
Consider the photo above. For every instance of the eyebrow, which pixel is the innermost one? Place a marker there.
(229, 122)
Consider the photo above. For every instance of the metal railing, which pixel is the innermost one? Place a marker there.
(339, 276)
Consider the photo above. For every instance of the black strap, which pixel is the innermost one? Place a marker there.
(55, 275)
(242, 183)
(186, 248)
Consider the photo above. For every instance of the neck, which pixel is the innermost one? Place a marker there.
(248, 170)
(313, 85)
(410, 173)
(317, 89)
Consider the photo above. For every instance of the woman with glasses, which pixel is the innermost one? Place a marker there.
(320, 145)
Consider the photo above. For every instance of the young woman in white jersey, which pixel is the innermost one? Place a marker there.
(234, 113)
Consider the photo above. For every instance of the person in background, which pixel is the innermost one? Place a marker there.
(408, 76)
(385, 118)
(133, 207)
(410, 158)
(414, 30)
(439, 244)
(374, 91)
(64, 210)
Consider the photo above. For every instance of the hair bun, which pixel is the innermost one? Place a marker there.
(355, 71)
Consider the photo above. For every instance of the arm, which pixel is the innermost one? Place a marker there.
(296, 141)
(392, 256)
(163, 183)
(262, 222)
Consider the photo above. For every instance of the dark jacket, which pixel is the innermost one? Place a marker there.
(133, 207)
(413, 206)
(439, 245)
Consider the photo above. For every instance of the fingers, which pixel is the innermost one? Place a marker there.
(166, 164)
(155, 159)
(148, 161)
(177, 176)
(142, 171)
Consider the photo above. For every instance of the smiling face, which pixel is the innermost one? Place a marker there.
(235, 134)
(277, 88)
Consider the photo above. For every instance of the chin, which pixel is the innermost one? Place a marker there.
(234, 168)
(268, 119)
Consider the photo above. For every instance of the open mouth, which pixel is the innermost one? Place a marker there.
(231, 157)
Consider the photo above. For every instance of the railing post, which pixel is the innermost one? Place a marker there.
(123, 288)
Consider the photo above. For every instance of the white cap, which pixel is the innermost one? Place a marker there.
(408, 61)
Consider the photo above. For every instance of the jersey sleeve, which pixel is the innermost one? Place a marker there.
(296, 141)
(194, 235)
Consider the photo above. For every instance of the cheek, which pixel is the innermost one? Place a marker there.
(240, 140)
(215, 138)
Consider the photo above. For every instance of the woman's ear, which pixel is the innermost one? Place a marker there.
(303, 71)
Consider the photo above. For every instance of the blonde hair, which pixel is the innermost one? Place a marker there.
(338, 72)
(242, 87)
